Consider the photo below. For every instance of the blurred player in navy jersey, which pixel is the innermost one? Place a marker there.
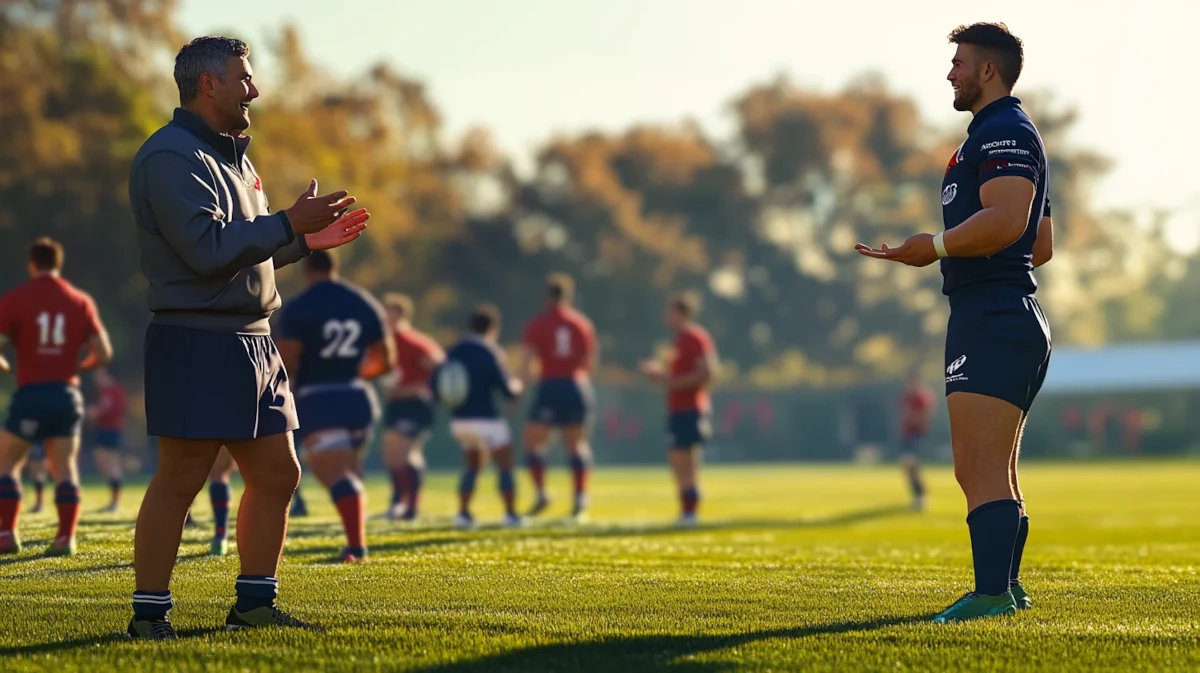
(468, 383)
(107, 416)
(916, 414)
(562, 342)
(332, 337)
(49, 323)
(409, 414)
(689, 409)
(36, 470)
(996, 208)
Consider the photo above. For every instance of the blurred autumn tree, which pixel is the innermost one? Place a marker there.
(763, 223)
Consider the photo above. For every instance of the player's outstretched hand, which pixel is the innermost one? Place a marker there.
(312, 213)
(347, 228)
(653, 370)
(918, 250)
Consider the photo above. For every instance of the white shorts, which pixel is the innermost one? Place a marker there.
(491, 433)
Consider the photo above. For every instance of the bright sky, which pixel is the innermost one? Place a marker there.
(528, 68)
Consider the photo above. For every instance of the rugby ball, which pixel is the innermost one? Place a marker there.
(453, 384)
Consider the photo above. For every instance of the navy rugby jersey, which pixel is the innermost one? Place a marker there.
(336, 322)
(485, 376)
(1001, 141)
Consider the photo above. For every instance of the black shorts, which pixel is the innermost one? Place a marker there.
(215, 385)
(999, 347)
(561, 402)
(688, 430)
(412, 417)
(350, 408)
(44, 411)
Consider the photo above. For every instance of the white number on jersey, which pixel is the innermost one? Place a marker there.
(342, 337)
(52, 330)
(562, 342)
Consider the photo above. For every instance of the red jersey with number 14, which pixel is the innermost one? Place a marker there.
(417, 355)
(692, 345)
(48, 321)
(564, 342)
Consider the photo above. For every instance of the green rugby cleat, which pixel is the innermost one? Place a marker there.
(219, 546)
(150, 629)
(1024, 602)
(264, 616)
(62, 546)
(975, 606)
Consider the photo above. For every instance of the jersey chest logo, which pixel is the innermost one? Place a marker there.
(949, 193)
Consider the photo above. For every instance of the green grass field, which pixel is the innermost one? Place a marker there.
(796, 568)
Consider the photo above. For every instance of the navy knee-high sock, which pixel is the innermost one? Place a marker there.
(993, 528)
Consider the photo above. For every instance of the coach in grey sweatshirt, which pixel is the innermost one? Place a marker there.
(210, 247)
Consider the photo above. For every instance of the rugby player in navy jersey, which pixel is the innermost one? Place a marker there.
(468, 383)
(332, 337)
(996, 211)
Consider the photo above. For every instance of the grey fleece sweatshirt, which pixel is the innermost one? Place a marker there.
(209, 243)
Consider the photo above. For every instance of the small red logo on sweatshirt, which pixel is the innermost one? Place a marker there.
(257, 184)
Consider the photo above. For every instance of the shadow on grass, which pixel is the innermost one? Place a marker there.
(657, 652)
(93, 641)
(421, 538)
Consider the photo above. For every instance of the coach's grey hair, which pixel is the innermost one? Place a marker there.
(204, 55)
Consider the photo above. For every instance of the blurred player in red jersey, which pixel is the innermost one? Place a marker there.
(693, 368)
(108, 419)
(916, 414)
(49, 322)
(409, 414)
(563, 343)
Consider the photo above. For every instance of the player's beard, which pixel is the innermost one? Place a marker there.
(967, 96)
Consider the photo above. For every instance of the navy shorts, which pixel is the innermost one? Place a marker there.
(44, 411)
(215, 385)
(999, 347)
(688, 429)
(412, 417)
(109, 440)
(350, 407)
(560, 402)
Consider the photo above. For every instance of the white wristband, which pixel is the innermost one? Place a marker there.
(940, 245)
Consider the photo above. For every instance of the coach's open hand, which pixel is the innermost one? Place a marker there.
(916, 251)
(312, 213)
(347, 228)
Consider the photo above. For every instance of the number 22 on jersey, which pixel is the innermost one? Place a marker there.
(341, 338)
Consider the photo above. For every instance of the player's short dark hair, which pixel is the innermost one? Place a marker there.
(210, 55)
(1001, 46)
(321, 261)
(560, 287)
(46, 254)
(687, 303)
(484, 318)
(400, 303)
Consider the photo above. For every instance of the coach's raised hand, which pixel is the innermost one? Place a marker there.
(312, 213)
(345, 229)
